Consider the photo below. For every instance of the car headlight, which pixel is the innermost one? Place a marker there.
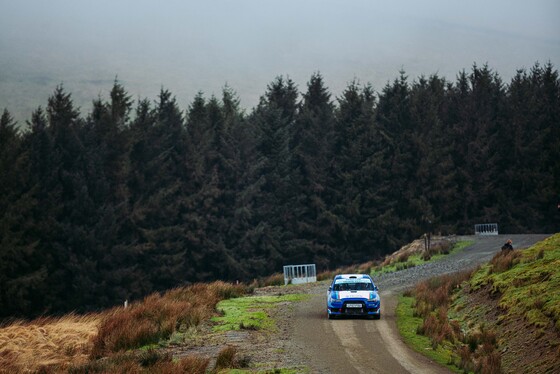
(373, 296)
(334, 298)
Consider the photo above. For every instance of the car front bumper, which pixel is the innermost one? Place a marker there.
(354, 308)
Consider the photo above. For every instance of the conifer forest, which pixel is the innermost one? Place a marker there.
(140, 196)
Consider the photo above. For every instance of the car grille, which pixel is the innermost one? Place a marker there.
(354, 308)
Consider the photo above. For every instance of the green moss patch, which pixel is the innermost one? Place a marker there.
(250, 313)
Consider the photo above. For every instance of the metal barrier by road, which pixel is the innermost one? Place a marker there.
(297, 274)
(486, 229)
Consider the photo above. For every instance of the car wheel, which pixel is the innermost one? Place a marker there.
(377, 316)
(330, 316)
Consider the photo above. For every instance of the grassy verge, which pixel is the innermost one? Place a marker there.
(251, 312)
(451, 345)
(528, 282)
(407, 261)
(523, 288)
(476, 322)
(409, 324)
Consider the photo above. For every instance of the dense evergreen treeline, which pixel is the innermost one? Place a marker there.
(140, 197)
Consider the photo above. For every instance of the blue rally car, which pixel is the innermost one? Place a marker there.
(353, 295)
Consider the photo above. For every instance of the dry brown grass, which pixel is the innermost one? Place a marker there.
(272, 280)
(158, 316)
(187, 365)
(147, 362)
(477, 350)
(480, 352)
(439, 245)
(46, 342)
(66, 343)
(364, 268)
(439, 328)
(433, 297)
(436, 292)
(505, 260)
(228, 359)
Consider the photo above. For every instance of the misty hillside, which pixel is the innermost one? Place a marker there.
(142, 196)
(188, 46)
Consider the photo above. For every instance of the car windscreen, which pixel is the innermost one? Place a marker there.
(344, 285)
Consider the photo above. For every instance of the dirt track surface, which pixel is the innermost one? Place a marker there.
(374, 346)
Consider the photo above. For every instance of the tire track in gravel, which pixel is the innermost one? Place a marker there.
(364, 346)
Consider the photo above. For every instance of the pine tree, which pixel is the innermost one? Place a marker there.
(433, 195)
(310, 142)
(355, 181)
(213, 199)
(18, 274)
(9, 148)
(477, 104)
(157, 242)
(529, 147)
(268, 190)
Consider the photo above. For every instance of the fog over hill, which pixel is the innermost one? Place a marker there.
(191, 46)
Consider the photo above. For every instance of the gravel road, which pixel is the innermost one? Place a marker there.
(374, 346)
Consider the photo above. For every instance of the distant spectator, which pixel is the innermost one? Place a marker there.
(507, 246)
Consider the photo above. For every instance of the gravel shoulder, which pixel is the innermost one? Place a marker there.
(482, 251)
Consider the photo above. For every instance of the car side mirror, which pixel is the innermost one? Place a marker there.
(330, 288)
(375, 288)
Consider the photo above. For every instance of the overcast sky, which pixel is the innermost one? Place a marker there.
(189, 46)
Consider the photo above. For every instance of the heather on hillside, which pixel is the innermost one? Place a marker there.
(479, 320)
(143, 196)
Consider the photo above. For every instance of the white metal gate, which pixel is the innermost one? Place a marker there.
(486, 229)
(297, 274)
